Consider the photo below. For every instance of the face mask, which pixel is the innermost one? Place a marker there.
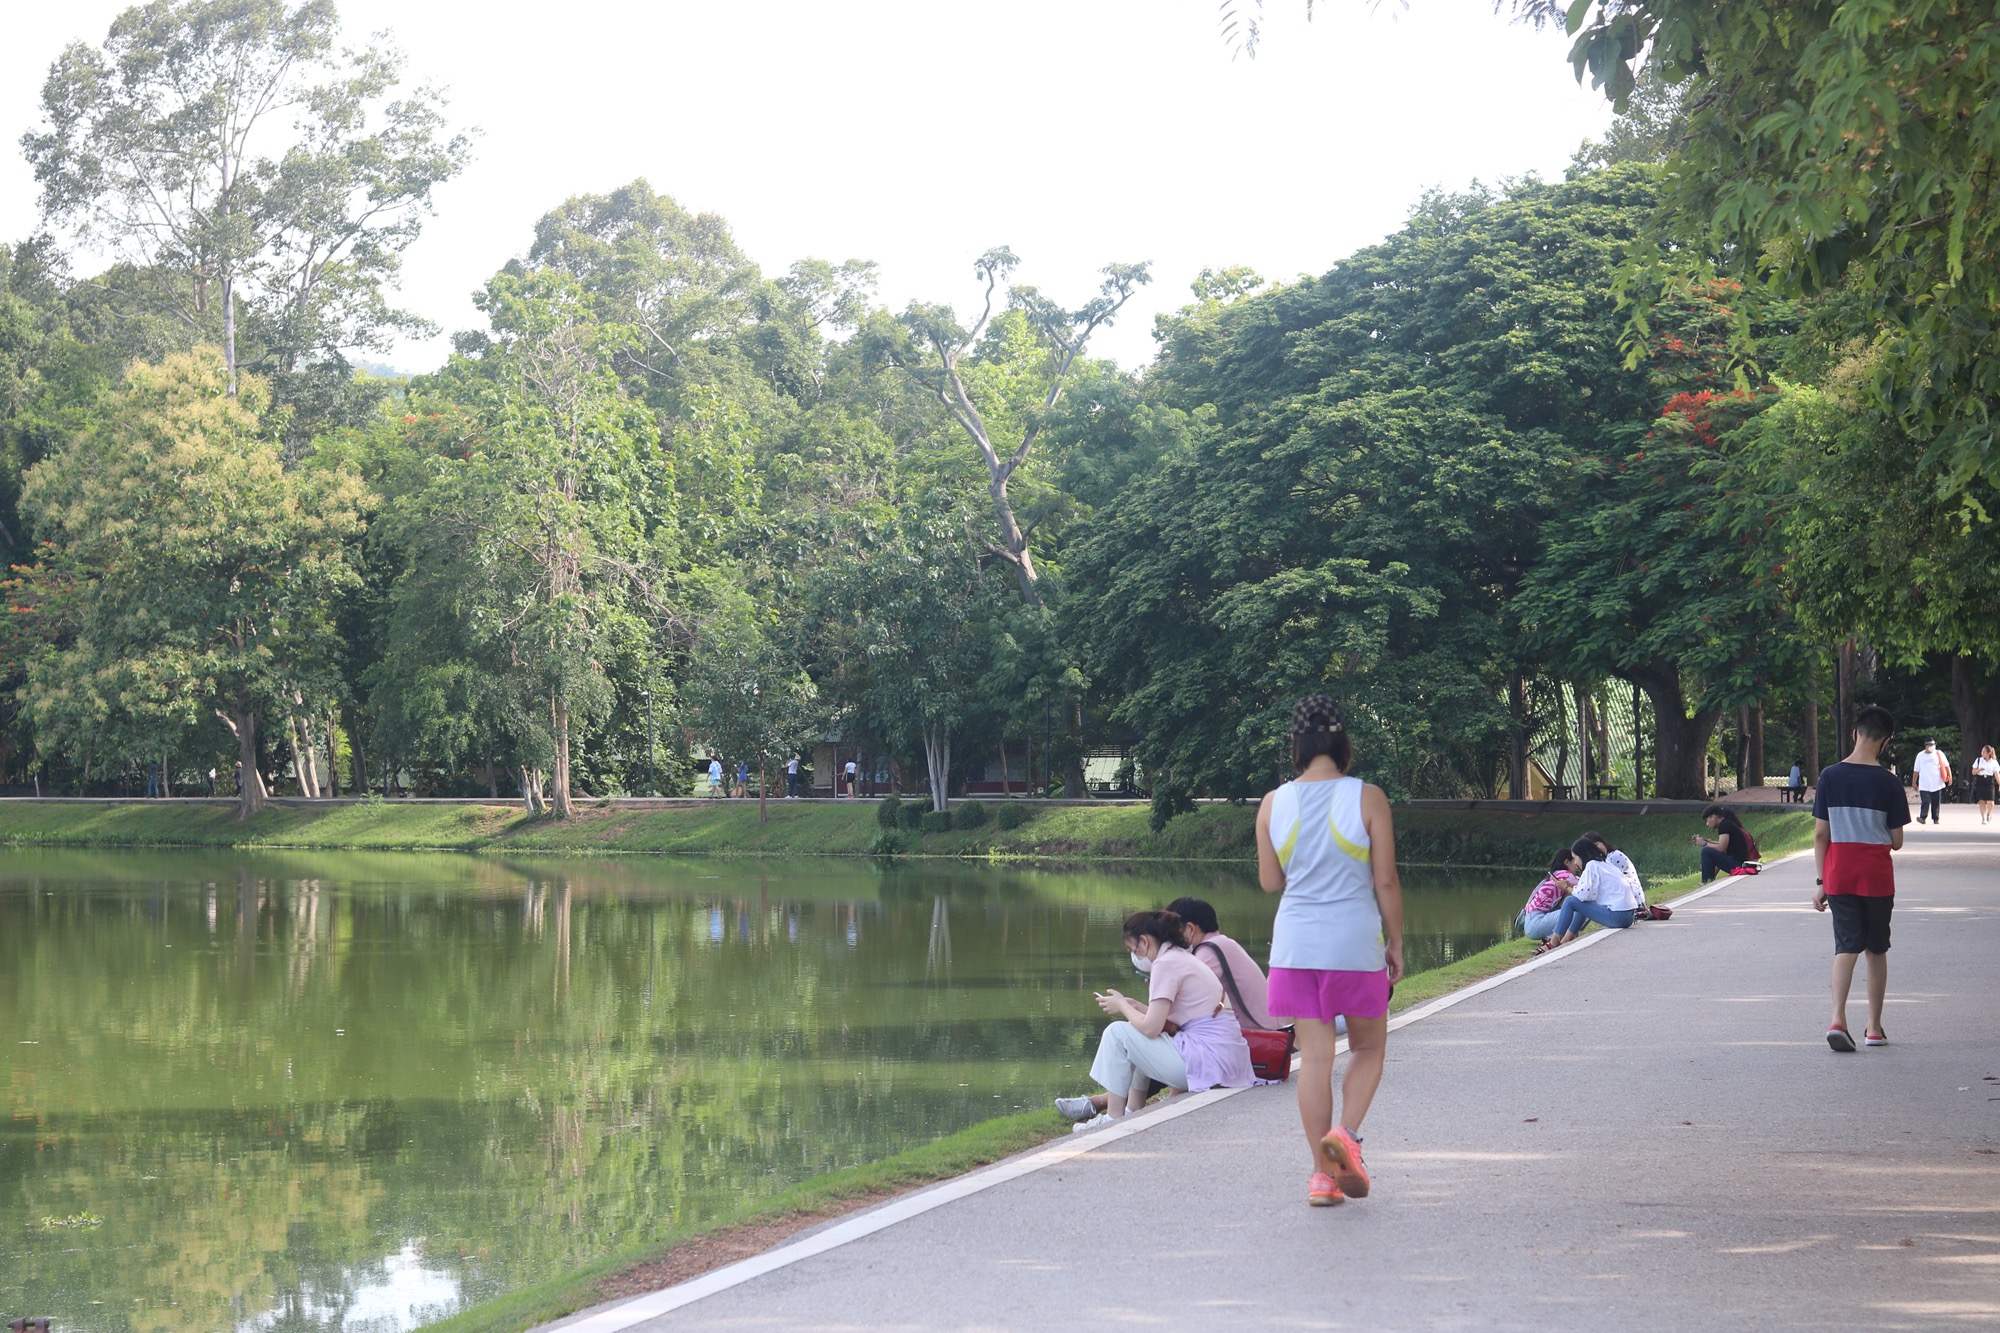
(1145, 965)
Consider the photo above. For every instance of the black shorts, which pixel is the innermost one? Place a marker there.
(1860, 925)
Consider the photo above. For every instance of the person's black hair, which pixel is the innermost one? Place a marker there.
(1320, 728)
(1594, 836)
(1162, 926)
(1587, 851)
(1875, 723)
(1730, 823)
(1560, 861)
(1195, 912)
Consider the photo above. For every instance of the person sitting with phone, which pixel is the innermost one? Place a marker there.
(1731, 848)
(1179, 1039)
(1202, 933)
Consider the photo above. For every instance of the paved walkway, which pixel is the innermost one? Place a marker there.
(1647, 1133)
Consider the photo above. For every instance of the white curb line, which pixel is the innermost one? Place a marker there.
(641, 1308)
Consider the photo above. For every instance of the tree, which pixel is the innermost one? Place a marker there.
(928, 344)
(1367, 463)
(184, 573)
(1830, 142)
(1834, 493)
(544, 537)
(232, 145)
(912, 601)
(744, 692)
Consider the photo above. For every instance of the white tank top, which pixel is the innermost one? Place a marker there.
(1327, 919)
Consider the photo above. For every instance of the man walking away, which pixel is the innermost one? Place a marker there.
(1858, 821)
(1932, 774)
(792, 778)
(851, 767)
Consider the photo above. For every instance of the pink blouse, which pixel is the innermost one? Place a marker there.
(1548, 895)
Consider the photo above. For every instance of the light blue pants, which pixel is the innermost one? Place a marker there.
(1539, 925)
(1575, 911)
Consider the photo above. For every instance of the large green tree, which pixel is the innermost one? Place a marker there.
(245, 163)
(186, 575)
(538, 548)
(1831, 142)
(1370, 458)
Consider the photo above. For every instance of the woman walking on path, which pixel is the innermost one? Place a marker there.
(1985, 776)
(1326, 842)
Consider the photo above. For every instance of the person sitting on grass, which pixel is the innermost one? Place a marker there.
(1619, 862)
(1730, 848)
(1602, 894)
(1538, 918)
(1205, 1047)
(1202, 933)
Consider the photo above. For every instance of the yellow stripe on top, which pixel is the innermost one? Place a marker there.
(1359, 851)
(1285, 852)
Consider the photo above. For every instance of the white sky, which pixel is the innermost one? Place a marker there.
(919, 133)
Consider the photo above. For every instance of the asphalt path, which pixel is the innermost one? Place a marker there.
(1650, 1133)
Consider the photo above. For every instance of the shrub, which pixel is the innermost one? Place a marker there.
(1168, 801)
(887, 842)
(968, 814)
(887, 809)
(911, 816)
(1012, 815)
(935, 821)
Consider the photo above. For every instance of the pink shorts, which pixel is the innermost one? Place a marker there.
(1310, 992)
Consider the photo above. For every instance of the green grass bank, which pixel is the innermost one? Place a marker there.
(1658, 842)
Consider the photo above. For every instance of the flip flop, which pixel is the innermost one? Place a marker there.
(1839, 1040)
(1875, 1038)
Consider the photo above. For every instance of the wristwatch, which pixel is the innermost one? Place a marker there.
(1819, 881)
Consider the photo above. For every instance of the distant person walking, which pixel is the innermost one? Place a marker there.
(1931, 772)
(1326, 842)
(742, 778)
(1985, 777)
(152, 780)
(714, 776)
(1858, 821)
(851, 770)
(792, 778)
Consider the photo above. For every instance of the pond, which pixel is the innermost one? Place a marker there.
(324, 1090)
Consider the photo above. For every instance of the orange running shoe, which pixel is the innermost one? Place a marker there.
(1341, 1152)
(1321, 1192)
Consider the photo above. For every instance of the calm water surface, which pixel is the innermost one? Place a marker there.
(328, 1090)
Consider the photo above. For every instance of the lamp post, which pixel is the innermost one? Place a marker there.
(652, 776)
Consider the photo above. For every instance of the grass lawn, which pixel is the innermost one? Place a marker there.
(1658, 843)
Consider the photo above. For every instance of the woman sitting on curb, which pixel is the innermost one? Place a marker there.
(1202, 933)
(1206, 1049)
(1538, 918)
(1730, 848)
(1602, 894)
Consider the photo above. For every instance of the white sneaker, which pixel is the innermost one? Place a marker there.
(1098, 1121)
(1075, 1109)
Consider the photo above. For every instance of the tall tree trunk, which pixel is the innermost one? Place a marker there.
(763, 786)
(250, 795)
(1975, 703)
(559, 795)
(1845, 670)
(1006, 785)
(229, 327)
(492, 780)
(1680, 742)
(1756, 775)
(1812, 764)
(937, 758)
(1517, 739)
(360, 775)
(332, 787)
